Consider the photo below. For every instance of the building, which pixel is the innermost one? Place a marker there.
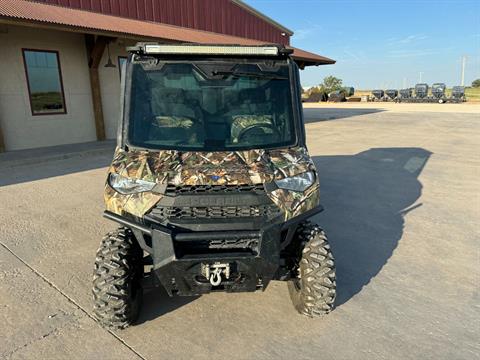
(60, 59)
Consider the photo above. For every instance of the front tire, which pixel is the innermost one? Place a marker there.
(117, 290)
(313, 287)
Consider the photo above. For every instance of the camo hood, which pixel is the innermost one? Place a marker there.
(211, 168)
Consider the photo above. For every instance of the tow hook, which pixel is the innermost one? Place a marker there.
(213, 272)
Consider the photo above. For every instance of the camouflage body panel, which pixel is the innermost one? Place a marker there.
(211, 168)
(136, 204)
(243, 122)
(173, 122)
(288, 163)
(184, 128)
(294, 203)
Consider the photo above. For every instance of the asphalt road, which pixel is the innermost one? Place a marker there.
(402, 212)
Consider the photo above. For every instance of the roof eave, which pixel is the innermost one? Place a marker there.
(310, 62)
(78, 29)
(33, 14)
(310, 59)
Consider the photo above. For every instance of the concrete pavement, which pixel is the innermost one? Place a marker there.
(402, 211)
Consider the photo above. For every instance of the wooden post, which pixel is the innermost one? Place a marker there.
(97, 103)
(95, 49)
(2, 141)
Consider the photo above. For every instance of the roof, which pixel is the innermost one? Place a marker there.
(262, 16)
(309, 58)
(27, 12)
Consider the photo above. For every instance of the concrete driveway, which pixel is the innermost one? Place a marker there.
(402, 212)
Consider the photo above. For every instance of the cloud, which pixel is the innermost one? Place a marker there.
(411, 46)
(406, 53)
(354, 56)
(410, 39)
(304, 33)
(351, 54)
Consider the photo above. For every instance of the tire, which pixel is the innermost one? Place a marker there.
(117, 289)
(313, 288)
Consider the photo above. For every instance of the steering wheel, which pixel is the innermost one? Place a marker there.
(258, 131)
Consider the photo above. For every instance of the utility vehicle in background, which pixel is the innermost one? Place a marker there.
(211, 182)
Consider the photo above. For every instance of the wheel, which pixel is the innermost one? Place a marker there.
(117, 289)
(313, 287)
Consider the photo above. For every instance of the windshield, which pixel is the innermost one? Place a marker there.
(207, 106)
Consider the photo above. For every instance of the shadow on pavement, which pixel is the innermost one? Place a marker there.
(312, 115)
(156, 303)
(366, 197)
(16, 173)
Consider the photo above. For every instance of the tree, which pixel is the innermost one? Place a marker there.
(315, 94)
(476, 83)
(320, 92)
(331, 83)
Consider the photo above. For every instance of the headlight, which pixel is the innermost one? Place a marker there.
(299, 182)
(125, 185)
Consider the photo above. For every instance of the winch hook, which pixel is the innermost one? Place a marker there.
(216, 277)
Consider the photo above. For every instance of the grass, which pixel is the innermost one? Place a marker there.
(472, 94)
(46, 102)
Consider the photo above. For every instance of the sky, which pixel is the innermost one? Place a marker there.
(384, 43)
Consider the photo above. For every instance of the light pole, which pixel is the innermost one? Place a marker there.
(464, 62)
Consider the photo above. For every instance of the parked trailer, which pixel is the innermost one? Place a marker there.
(392, 94)
(349, 91)
(378, 95)
(458, 94)
(421, 93)
(438, 93)
(405, 95)
(337, 96)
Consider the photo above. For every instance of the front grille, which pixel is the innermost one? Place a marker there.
(214, 212)
(173, 190)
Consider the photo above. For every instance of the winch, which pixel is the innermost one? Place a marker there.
(213, 272)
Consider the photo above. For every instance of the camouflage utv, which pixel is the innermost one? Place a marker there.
(211, 182)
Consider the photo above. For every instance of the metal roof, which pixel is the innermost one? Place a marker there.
(263, 16)
(27, 12)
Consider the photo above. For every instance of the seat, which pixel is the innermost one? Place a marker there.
(176, 117)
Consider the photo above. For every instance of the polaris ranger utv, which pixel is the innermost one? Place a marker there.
(211, 182)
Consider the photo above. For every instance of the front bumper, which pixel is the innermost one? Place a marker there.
(253, 256)
(178, 259)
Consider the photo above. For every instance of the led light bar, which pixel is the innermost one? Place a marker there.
(210, 50)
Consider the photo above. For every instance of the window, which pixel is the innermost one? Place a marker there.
(121, 62)
(210, 106)
(44, 80)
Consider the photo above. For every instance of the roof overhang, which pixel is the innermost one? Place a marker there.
(27, 13)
